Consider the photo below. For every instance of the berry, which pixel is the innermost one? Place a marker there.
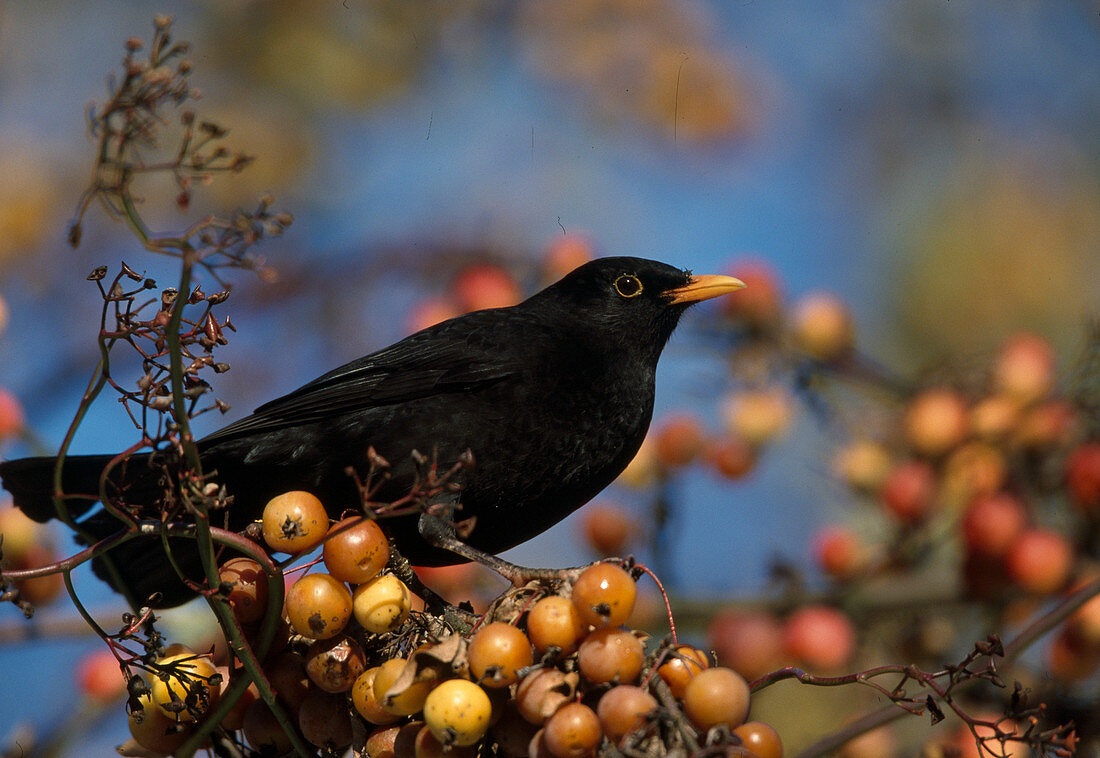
(717, 696)
(555, 621)
(678, 440)
(609, 654)
(607, 528)
(247, 588)
(992, 523)
(761, 739)
(318, 606)
(572, 732)
(542, 692)
(403, 702)
(1024, 367)
(749, 642)
(623, 709)
(821, 326)
(335, 664)
(457, 712)
(683, 663)
(758, 416)
(365, 702)
(356, 550)
(382, 604)
(604, 595)
(1083, 476)
(820, 636)
(936, 420)
(183, 688)
(909, 490)
(484, 285)
(294, 522)
(1039, 561)
(497, 652)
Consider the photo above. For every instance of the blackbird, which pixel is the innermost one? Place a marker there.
(552, 396)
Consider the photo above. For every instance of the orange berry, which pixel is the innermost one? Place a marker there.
(356, 550)
(992, 523)
(731, 457)
(497, 652)
(839, 552)
(683, 663)
(607, 528)
(821, 326)
(572, 732)
(294, 522)
(678, 439)
(1024, 367)
(554, 620)
(318, 606)
(717, 696)
(936, 420)
(1083, 476)
(247, 588)
(608, 654)
(12, 418)
(761, 739)
(623, 709)
(749, 642)
(758, 416)
(604, 595)
(760, 304)
(908, 492)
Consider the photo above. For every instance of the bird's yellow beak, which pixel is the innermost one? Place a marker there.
(704, 287)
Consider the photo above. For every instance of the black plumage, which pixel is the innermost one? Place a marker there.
(553, 396)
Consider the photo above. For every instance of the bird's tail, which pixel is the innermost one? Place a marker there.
(139, 569)
(30, 482)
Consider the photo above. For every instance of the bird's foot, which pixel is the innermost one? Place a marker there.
(441, 534)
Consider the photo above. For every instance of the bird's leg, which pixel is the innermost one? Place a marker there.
(433, 601)
(439, 531)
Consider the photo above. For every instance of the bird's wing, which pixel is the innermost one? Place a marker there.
(433, 362)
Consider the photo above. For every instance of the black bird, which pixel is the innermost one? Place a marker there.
(553, 397)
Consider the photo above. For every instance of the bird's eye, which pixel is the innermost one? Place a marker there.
(628, 285)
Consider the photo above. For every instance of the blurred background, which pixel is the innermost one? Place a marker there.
(933, 164)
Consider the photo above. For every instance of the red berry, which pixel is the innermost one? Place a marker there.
(12, 419)
(565, 253)
(908, 491)
(992, 523)
(679, 439)
(731, 457)
(839, 552)
(1083, 476)
(749, 642)
(760, 304)
(99, 677)
(607, 528)
(1024, 367)
(431, 311)
(820, 636)
(1039, 561)
(484, 285)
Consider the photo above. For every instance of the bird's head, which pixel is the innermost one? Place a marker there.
(636, 298)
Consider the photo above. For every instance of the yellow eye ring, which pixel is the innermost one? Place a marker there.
(628, 285)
